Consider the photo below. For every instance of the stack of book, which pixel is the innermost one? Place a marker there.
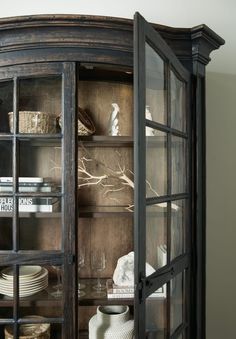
(127, 292)
(29, 204)
(27, 184)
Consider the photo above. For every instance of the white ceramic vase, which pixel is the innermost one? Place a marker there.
(111, 322)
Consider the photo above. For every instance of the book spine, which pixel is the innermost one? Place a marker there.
(131, 295)
(23, 179)
(120, 290)
(120, 295)
(48, 206)
(28, 189)
(28, 201)
(31, 208)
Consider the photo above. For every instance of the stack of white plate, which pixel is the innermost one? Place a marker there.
(32, 279)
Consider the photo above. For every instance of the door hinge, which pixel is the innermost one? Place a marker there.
(141, 286)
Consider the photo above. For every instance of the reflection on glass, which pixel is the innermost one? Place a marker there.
(43, 285)
(5, 229)
(42, 233)
(6, 165)
(58, 286)
(40, 167)
(178, 222)
(150, 132)
(55, 288)
(178, 165)
(156, 165)
(39, 105)
(6, 311)
(98, 264)
(178, 105)
(176, 302)
(6, 105)
(156, 322)
(155, 85)
(156, 237)
(30, 330)
(81, 264)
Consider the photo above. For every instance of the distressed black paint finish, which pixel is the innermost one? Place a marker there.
(47, 45)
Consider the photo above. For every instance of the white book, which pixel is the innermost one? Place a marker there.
(113, 288)
(161, 294)
(120, 290)
(120, 295)
(22, 179)
(32, 208)
(39, 208)
(28, 187)
(30, 204)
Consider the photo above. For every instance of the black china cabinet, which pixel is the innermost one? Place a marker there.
(133, 184)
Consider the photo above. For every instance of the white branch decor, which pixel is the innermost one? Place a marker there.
(113, 180)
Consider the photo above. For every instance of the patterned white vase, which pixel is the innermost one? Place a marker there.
(111, 322)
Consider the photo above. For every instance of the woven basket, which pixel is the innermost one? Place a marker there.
(85, 123)
(34, 122)
(30, 331)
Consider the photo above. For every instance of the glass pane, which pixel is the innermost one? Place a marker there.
(178, 166)
(6, 303)
(156, 165)
(5, 226)
(100, 176)
(113, 115)
(5, 202)
(178, 222)
(39, 105)
(156, 237)
(155, 86)
(156, 322)
(6, 105)
(178, 104)
(176, 302)
(6, 165)
(30, 330)
(41, 291)
(40, 167)
(39, 232)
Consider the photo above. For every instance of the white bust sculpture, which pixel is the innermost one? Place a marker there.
(124, 271)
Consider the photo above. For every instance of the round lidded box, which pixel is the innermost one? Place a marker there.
(34, 122)
(30, 331)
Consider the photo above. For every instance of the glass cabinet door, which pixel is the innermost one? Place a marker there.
(37, 146)
(162, 197)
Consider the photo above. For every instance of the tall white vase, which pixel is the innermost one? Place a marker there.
(111, 322)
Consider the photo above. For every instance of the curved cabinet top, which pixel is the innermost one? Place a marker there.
(92, 39)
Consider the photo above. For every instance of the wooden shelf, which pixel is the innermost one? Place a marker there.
(103, 211)
(35, 139)
(105, 141)
(84, 212)
(87, 141)
(45, 299)
(41, 299)
(32, 215)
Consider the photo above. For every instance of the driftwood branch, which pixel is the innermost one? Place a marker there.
(114, 180)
